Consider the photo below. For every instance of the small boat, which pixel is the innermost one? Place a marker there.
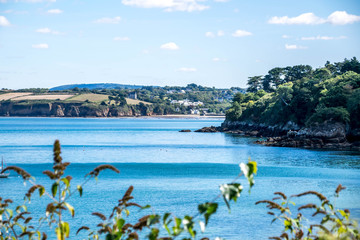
(3, 175)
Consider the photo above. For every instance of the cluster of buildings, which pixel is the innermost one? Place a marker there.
(187, 103)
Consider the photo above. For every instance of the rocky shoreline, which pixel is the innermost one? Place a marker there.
(323, 136)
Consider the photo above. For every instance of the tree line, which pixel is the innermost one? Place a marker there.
(302, 95)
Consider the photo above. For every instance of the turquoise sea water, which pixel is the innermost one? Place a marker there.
(171, 171)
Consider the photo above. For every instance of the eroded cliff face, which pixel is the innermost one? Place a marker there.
(328, 135)
(63, 110)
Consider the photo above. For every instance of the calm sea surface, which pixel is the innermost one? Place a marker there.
(169, 170)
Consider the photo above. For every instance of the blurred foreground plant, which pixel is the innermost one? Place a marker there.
(326, 223)
(17, 223)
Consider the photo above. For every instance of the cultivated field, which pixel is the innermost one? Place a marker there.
(7, 96)
(135, 102)
(43, 97)
(90, 96)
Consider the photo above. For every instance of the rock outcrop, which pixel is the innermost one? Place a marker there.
(210, 129)
(325, 136)
(328, 135)
(185, 130)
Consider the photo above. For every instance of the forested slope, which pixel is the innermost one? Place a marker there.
(298, 97)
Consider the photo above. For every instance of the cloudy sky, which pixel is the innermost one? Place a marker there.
(45, 43)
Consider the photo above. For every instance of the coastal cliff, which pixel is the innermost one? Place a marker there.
(60, 109)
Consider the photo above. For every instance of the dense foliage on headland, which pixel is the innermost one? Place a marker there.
(302, 95)
(301, 107)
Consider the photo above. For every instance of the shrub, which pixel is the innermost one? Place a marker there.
(333, 114)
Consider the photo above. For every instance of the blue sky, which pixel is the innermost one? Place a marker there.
(45, 43)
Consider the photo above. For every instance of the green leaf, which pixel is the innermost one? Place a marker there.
(189, 225)
(177, 229)
(80, 189)
(325, 219)
(120, 223)
(66, 228)
(54, 188)
(226, 202)
(153, 219)
(208, 209)
(66, 181)
(11, 213)
(249, 170)
(231, 191)
(287, 224)
(59, 235)
(71, 208)
(41, 191)
(154, 234)
(145, 207)
(166, 215)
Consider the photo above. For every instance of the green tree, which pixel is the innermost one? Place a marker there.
(234, 113)
(254, 83)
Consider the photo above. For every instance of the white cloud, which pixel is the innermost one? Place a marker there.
(241, 33)
(47, 31)
(210, 34)
(43, 30)
(220, 33)
(4, 22)
(285, 36)
(185, 69)
(336, 18)
(114, 20)
(293, 47)
(305, 18)
(168, 5)
(3, 1)
(342, 18)
(55, 11)
(170, 46)
(323, 38)
(41, 45)
(121, 38)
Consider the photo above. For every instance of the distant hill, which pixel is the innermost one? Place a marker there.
(93, 86)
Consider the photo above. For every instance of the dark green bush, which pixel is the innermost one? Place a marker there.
(332, 114)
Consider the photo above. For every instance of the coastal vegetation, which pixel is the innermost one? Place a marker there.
(302, 95)
(17, 223)
(300, 106)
